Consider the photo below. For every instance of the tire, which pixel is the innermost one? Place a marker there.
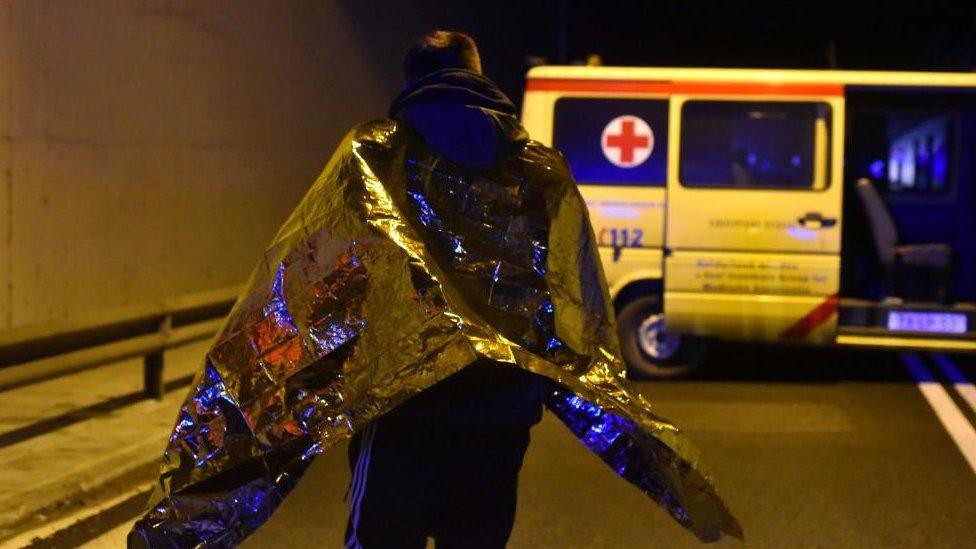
(676, 355)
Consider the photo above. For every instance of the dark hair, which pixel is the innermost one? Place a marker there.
(441, 50)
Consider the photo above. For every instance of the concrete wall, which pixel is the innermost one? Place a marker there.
(151, 148)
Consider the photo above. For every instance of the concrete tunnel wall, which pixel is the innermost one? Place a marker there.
(152, 148)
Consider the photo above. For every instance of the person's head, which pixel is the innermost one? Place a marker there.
(441, 50)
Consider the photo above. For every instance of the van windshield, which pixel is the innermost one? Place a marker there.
(906, 152)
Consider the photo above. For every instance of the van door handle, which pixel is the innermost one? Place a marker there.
(816, 220)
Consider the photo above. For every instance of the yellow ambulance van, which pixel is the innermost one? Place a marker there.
(826, 207)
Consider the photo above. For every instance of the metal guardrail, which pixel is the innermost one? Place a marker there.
(31, 354)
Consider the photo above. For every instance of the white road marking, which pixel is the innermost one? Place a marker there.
(963, 386)
(49, 529)
(955, 423)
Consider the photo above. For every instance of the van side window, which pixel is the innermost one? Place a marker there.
(613, 141)
(751, 144)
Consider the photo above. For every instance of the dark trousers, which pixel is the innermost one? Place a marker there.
(456, 484)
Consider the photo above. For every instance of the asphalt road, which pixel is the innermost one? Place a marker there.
(809, 447)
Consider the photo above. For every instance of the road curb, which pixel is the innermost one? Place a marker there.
(95, 480)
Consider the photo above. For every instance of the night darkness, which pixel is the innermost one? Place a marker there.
(918, 35)
(810, 35)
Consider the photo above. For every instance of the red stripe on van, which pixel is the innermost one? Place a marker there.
(692, 88)
(820, 314)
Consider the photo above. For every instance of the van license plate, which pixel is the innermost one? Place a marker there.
(940, 323)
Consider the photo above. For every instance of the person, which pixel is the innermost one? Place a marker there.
(445, 463)
(741, 172)
(439, 280)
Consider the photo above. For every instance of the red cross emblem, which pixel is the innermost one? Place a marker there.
(627, 141)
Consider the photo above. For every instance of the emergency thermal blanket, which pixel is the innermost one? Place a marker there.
(396, 270)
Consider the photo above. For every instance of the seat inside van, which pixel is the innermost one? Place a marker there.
(909, 271)
(910, 196)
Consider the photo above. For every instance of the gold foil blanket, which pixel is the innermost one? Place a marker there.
(396, 270)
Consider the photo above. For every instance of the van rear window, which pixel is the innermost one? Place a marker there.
(613, 141)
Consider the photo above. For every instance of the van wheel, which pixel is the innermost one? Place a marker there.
(648, 348)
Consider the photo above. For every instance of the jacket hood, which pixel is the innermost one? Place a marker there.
(463, 115)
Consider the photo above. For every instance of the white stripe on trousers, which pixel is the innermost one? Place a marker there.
(359, 485)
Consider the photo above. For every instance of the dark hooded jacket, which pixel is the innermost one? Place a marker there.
(468, 120)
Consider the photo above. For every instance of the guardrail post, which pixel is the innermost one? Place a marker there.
(153, 365)
(153, 375)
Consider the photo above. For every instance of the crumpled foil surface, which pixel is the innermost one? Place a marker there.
(396, 270)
